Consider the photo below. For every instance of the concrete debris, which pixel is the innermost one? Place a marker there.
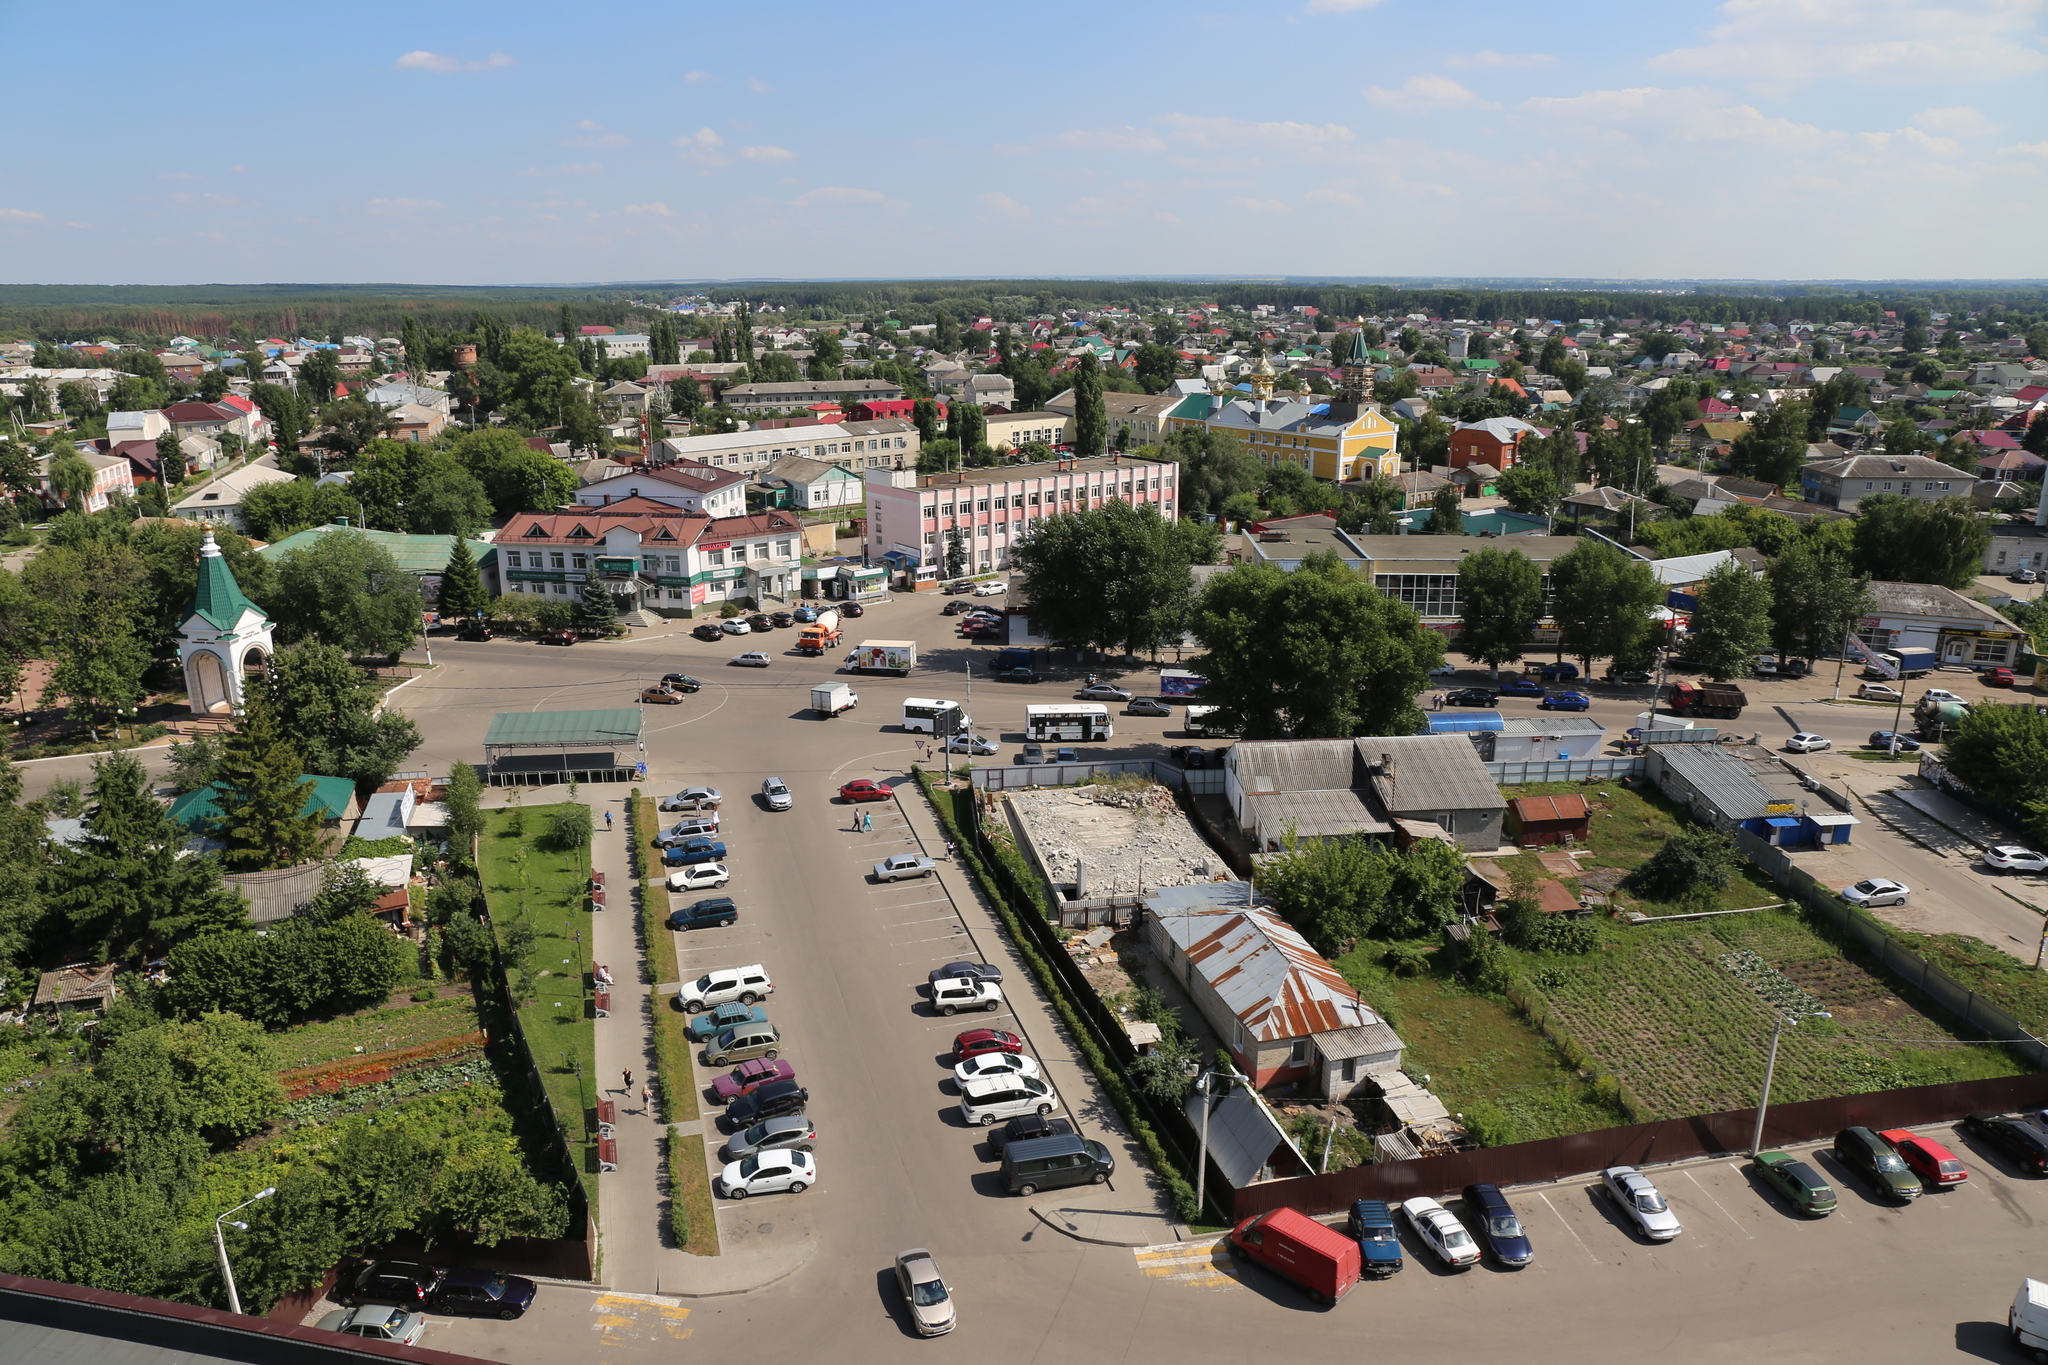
(1129, 838)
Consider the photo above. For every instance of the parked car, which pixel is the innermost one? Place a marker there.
(1444, 670)
(1147, 706)
(794, 1131)
(742, 1042)
(976, 1041)
(693, 798)
(1055, 1163)
(753, 658)
(1379, 1245)
(1195, 756)
(1998, 677)
(806, 615)
(696, 849)
(760, 622)
(897, 866)
(990, 1100)
(1565, 701)
(708, 631)
(1559, 670)
(1640, 1200)
(555, 637)
(977, 627)
(1626, 677)
(851, 609)
(1876, 692)
(979, 745)
(681, 682)
(925, 1295)
(995, 589)
(715, 910)
(1499, 1228)
(1297, 1248)
(1806, 742)
(1894, 741)
(951, 996)
(1031, 753)
(697, 877)
(747, 1075)
(1443, 1234)
(2013, 858)
(1941, 694)
(408, 1284)
(959, 606)
(1872, 1158)
(1063, 754)
(702, 1028)
(474, 630)
(1026, 1128)
(736, 627)
(770, 1101)
(715, 987)
(483, 1294)
(2023, 1144)
(1875, 891)
(1935, 1164)
(979, 971)
(1801, 1185)
(1518, 687)
(995, 1064)
(864, 789)
(780, 1172)
(783, 620)
(1013, 675)
(377, 1322)
(700, 825)
(1103, 692)
(2024, 576)
(1472, 696)
(957, 586)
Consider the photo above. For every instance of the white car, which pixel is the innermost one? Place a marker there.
(995, 589)
(697, 876)
(753, 658)
(1103, 692)
(1805, 743)
(1444, 670)
(736, 627)
(693, 798)
(782, 1171)
(1877, 692)
(1443, 1234)
(931, 1307)
(376, 1322)
(1876, 891)
(992, 1099)
(1640, 1200)
(720, 984)
(995, 1064)
(950, 997)
(2013, 858)
(1942, 694)
(971, 744)
(776, 793)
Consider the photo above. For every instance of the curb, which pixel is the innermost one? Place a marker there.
(1052, 1222)
(810, 1248)
(396, 690)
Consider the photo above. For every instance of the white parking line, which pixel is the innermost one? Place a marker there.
(1717, 1204)
(985, 1020)
(1567, 1226)
(937, 938)
(935, 919)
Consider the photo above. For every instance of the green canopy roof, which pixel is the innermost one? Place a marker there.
(218, 598)
(329, 799)
(620, 725)
(413, 554)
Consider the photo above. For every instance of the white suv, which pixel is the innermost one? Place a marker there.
(966, 993)
(715, 987)
(992, 1099)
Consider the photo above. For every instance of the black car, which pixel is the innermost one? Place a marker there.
(474, 630)
(760, 620)
(718, 910)
(1016, 675)
(1630, 677)
(956, 606)
(1024, 1128)
(981, 971)
(2024, 1143)
(681, 682)
(1500, 1231)
(407, 1284)
(1194, 756)
(852, 609)
(1147, 706)
(1471, 696)
(783, 620)
(769, 1101)
(708, 631)
(482, 1294)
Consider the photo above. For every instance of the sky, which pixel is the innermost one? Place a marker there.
(510, 143)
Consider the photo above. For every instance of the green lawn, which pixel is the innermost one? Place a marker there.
(2013, 985)
(542, 903)
(1628, 825)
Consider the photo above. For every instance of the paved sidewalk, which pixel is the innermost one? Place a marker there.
(1132, 1209)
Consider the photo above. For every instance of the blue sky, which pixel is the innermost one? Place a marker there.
(514, 142)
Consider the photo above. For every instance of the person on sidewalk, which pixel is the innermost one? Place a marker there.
(949, 850)
(607, 822)
(626, 1086)
(646, 1100)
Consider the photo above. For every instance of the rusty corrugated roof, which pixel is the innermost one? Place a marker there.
(1266, 973)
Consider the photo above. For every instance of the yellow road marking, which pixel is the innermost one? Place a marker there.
(1203, 1265)
(625, 1318)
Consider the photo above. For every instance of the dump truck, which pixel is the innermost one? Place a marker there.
(819, 635)
(1723, 700)
(830, 699)
(883, 656)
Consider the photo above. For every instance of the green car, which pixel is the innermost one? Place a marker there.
(1801, 1185)
(1872, 1158)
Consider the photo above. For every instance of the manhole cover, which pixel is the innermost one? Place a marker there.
(763, 1227)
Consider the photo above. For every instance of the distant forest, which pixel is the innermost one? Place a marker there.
(150, 314)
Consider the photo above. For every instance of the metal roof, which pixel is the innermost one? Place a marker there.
(1464, 722)
(1721, 778)
(1265, 973)
(1430, 773)
(1345, 810)
(1296, 765)
(1542, 809)
(1245, 1141)
(1367, 1040)
(536, 729)
(1550, 724)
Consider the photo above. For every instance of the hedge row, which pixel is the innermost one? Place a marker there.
(1162, 1159)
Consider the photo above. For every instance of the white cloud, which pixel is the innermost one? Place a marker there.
(760, 87)
(768, 154)
(1961, 120)
(1492, 58)
(588, 134)
(442, 64)
(175, 175)
(22, 216)
(658, 210)
(1785, 43)
(2027, 149)
(695, 77)
(1259, 205)
(841, 194)
(1003, 206)
(1339, 6)
(390, 207)
(703, 147)
(1231, 132)
(1428, 91)
(576, 168)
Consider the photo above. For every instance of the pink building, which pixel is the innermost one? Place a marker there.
(911, 516)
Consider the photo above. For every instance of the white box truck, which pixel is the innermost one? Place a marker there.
(829, 699)
(883, 656)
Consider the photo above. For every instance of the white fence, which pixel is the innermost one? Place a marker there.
(1565, 770)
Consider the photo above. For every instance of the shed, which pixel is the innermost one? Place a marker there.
(529, 748)
(77, 987)
(1464, 722)
(1830, 827)
(1247, 1145)
(386, 814)
(1539, 820)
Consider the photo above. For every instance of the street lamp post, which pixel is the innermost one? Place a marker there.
(220, 1244)
(1756, 1141)
(1202, 1162)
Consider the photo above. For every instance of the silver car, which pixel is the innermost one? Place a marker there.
(377, 1322)
(769, 1135)
(924, 1293)
(776, 793)
(693, 798)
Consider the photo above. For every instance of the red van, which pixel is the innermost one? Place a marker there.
(1296, 1247)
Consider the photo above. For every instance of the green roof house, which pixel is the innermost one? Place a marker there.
(424, 557)
(332, 798)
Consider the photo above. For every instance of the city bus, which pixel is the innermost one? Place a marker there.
(934, 716)
(1074, 720)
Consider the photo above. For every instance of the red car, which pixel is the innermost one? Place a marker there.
(749, 1075)
(978, 1042)
(1926, 1158)
(555, 637)
(861, 789)
(1998, 677)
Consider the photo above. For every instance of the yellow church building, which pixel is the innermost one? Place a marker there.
(1343, 438)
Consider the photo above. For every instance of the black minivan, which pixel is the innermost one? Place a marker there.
(1052, 1163)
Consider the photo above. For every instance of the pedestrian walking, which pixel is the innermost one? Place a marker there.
(867, 823)
(646, 1100)
(949, 850)
(607, 822)
(626, 1086)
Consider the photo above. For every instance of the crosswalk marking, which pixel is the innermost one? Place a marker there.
(624, 1319)
(1201, 1265)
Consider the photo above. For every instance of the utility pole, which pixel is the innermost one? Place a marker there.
(1756, 1140)
(220, 1245)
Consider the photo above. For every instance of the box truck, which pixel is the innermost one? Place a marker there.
(829, 699)
(883, 656)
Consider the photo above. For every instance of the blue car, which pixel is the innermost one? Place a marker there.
(1521, 687)
(693, 850)
(1565, 701)
(1560, 672)
(1500, 1231)
(806, 614)
(1902, 742)
(702, 1028)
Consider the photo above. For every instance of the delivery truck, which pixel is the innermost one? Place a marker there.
(830, 699)
(883, 656)
(819, 635)
(1178, 682)
(1904, 663)
(1724, 700)
(2028, 1319)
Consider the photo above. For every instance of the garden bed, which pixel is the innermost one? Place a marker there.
(373, 1031)
(1628, 824)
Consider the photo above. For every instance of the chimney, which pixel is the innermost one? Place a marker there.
(1387, 769)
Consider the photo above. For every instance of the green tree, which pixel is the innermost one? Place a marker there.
(956, 553)
(967, 427)
(1905, 540)
(1156, 367)
(1318, 653)
(1500, 600)
(211, 1075)
(170, 458)
(1732, 623)
(1816, 600)
(1112, 578)
(335, 723)
(462, 587)
(1215, 466)
(1773, 449)
(350, 425)
(344, 590)
(71, 479)
(1692, 866)
(272, 511)
(288, 414)
(465, 810)
(1447, 512)
(2001, 753)
(597, 612)
(924, 415)
(1601, 600)
(1091, 417)
(99, 665)
(1333, 890)
(515, 476)
(319, 376)
(1532, 488)
(262, 796)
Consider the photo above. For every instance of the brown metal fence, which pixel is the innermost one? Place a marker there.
(1640, 1144)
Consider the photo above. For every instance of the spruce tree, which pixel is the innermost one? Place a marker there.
(1091, 419)
(462, 588)
(597, 613)
(170, 459)
(262, 794)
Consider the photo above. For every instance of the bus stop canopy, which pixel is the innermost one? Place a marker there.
(523, 747)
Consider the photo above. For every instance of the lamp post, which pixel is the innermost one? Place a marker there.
(220, 1244)
(1202, 1162)
(1756, 1141)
